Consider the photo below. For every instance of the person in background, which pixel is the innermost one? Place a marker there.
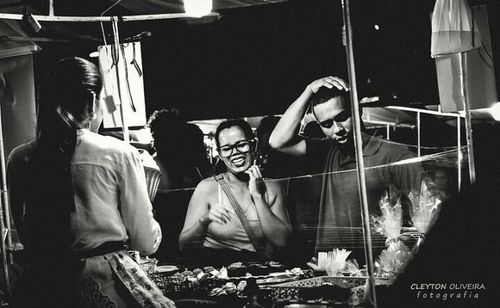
(273, 164)
(339, 223)
(443, 182)
(80, 201)
(181, 156)
(211, 221)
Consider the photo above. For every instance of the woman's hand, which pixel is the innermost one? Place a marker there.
(216, 214)
(255, 185)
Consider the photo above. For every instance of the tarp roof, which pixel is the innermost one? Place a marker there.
(176, 6)
(11, 48)
(133, 7)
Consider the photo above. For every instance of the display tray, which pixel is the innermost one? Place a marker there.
(239, 269)
(337, 289)
(276, 278)
(341, 281)
(168, 269)
(208, 285)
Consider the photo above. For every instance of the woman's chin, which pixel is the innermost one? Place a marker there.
(239, 169)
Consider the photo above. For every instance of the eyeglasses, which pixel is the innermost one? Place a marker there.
(242, 146)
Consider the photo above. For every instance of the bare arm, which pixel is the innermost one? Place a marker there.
(273, 217)
(285, 137)
(199, 215)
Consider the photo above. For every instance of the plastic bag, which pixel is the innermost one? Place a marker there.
(391, 221)
(453, 28)
(424, 208)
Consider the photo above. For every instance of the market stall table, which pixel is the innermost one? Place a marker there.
(268, 286)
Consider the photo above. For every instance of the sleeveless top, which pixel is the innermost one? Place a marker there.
(232, 235)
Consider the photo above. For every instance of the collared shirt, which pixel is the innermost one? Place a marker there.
(340, 222)
(110, 193)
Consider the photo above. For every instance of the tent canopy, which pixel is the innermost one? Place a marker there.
(136, 7)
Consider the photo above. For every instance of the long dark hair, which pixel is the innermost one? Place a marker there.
(66, 101)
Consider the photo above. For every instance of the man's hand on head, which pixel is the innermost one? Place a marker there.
(328, 82)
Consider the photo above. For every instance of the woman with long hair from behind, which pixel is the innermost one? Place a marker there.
(79, 201)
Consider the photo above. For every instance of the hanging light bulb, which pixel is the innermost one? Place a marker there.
(197, 8)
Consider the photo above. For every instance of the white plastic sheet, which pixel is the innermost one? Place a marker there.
(453, 28)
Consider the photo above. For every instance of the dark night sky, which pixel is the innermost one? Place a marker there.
(257, 60)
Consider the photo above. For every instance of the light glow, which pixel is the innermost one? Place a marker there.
(485, 113)
(198, 8)
(495, 111)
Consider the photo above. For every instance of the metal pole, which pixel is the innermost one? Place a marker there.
(4, 205)
(116, 37)
(51, 8)
(371, 297)
(424, 111)
(418, 134)
(468, 120)
(128, 18)
(459, 152)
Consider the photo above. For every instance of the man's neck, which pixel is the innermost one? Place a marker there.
(347, 148)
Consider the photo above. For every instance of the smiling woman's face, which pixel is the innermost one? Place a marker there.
(236, 162)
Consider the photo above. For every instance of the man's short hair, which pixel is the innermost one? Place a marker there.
(167, 128)
(325, 94)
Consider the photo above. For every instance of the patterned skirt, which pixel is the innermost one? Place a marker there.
(110, 280)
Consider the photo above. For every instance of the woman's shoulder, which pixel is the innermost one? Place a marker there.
(209, 182)
(273, 185)
(206, 190)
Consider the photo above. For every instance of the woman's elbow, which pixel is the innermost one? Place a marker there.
(182, 241)
(186, 241)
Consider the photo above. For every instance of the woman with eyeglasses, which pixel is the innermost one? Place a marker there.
(213, 222)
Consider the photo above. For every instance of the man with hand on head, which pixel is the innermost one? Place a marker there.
(339, 224)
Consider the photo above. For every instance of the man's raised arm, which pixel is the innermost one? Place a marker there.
(284, 137)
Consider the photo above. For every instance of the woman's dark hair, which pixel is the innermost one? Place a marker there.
(245, 127)
(66, 100)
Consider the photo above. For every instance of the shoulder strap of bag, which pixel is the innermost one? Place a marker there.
(239, 212)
